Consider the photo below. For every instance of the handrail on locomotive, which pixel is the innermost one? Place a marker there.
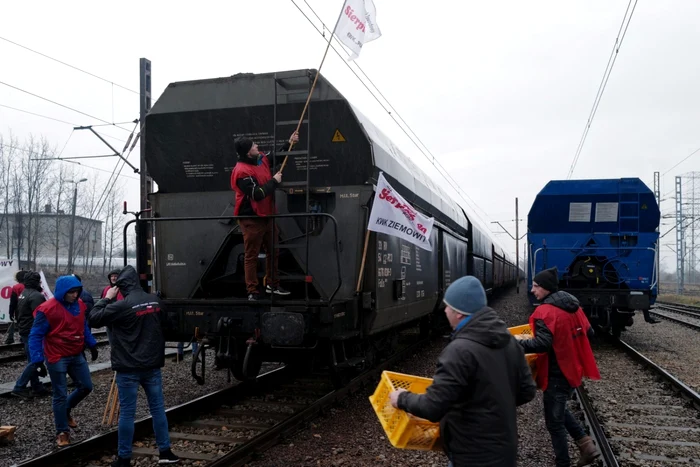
(228, 218)
(583, 250)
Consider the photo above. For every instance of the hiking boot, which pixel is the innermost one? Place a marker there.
(168, 457)
(588, 451)
(277, 290)
(72, 423)
(253, 297)
(63, 440)
(24, 393)
(121, 462)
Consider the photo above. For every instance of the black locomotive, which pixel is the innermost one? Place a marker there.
(333, 316)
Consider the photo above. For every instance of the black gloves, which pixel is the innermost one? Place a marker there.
(93, 353)
(40, 369)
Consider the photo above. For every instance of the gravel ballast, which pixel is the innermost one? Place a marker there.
(350, 435)
(35, 433)
(672, 346)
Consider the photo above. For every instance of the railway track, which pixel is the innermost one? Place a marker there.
(680, 314)
(231, 426)
(640, 414)
(15, 352)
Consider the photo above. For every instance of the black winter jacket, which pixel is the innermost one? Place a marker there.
(135, 325)
(481, 377)
(544, 340)
(28, 301)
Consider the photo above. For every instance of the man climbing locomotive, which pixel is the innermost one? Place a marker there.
(254, 185)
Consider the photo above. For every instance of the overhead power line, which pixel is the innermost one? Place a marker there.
(682, 160)
(69, 65)
(64, 106)
(603, 83)
(63, 121)
(70, 161)
(424, 150)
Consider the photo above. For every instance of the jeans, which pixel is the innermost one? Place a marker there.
(559, 420)
(78, 369)
(128, 384)
(29, 374)
(181, 349)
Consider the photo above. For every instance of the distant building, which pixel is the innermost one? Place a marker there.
(51, 230)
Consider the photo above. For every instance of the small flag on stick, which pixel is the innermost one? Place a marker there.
(357, 25)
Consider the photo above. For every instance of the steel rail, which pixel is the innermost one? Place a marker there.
(682, 322)
(248, 451)
(609, 458)
(189, 410)
(685, 391)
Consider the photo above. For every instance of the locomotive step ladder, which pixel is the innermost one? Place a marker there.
(295, 90)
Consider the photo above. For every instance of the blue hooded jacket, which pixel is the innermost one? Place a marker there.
(41, 324)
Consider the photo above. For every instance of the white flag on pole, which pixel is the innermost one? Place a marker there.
(357, 25)
(392, 215)
(45, 289)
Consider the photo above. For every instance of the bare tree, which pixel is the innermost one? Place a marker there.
(114, 222)
(60, 192)
(91, 206)
(8, 155)
(34, 171)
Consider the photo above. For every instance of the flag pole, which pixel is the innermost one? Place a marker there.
(311, 91)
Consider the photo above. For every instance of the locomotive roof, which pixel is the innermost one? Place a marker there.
(245, 90)
(606, 186)
(597, 205)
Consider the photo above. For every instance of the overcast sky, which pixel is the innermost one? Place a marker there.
(499, 91)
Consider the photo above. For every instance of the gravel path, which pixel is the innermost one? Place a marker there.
(350, 435)
(35, 433)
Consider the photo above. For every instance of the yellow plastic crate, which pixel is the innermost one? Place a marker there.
(404, 430)
(530, 357)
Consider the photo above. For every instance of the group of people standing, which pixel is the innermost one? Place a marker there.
(57, 332)
(482, 376)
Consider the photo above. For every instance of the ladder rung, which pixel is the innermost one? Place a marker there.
(287, 93)
(290, 122)
(292, 246)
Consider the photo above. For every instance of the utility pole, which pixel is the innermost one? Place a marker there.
(144, 235)
(517, 246)
(517, 250)
(72, 223)
(657, 195)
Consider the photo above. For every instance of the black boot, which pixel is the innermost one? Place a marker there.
(649, 319)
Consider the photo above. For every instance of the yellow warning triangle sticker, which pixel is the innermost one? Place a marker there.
(338, 137)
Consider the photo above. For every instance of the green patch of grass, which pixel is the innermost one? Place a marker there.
(680, 299)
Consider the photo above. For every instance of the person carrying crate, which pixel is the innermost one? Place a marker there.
(561, 332)
(481, 377)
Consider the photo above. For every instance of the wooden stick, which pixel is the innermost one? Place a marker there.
(115, 403)
(362, 266)
(308, 99)
(109, 398)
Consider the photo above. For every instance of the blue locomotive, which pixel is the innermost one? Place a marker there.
(602, 236)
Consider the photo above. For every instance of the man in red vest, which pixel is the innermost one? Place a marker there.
(561, 331)
(60, 334)
(254, 185)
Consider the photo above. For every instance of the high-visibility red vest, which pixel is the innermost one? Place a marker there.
(570, 344)
(261, 173)
(66, 336)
